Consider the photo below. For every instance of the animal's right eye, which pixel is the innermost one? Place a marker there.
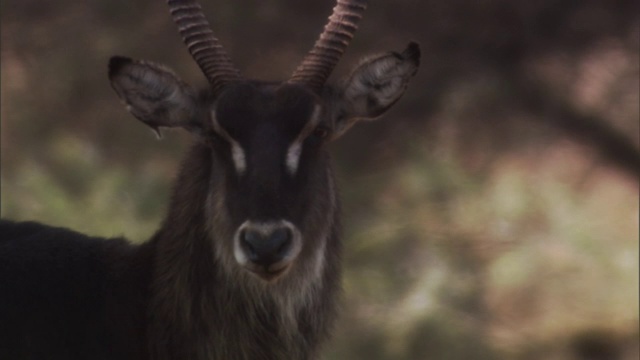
(214, 137)
(320, 132)
(319, 135)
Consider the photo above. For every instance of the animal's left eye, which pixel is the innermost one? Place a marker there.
(320, 133)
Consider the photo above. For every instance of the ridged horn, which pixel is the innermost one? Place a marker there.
(204, 47)
(326, 52)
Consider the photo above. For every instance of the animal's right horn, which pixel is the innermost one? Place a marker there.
(326, 52)
(204, 47)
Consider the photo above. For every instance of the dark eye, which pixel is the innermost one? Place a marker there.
(213, 137)
(320, 133)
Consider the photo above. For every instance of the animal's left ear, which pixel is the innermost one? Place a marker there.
(375, 85)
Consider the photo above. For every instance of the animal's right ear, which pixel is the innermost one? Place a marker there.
(154, 94)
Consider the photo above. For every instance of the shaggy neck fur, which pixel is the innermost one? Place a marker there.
(203, 306)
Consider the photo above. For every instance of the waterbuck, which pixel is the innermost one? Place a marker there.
(246, 264)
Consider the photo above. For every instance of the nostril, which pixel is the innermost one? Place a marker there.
(249, 241)
(281, 239)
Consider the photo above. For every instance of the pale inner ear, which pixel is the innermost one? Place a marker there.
(237, 152)
(294, 151)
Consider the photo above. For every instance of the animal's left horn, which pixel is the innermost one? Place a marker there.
(204, 47)
(325, 54)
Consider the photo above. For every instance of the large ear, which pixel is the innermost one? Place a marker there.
(375, 85)
(154, 94)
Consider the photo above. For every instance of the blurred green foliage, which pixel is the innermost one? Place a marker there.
(476, 227)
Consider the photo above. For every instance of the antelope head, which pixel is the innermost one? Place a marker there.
(272, 201)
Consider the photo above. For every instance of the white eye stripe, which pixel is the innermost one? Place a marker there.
(237, 153)
(295, 149)
(293, 156)
(239, 159)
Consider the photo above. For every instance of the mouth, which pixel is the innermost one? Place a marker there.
(270, 273)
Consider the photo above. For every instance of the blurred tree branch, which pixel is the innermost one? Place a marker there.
(593, 131)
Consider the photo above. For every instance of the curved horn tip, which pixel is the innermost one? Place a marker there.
(203, 46)
(320, 61)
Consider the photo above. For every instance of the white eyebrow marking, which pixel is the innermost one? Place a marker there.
(295, 149)
(237, 153)
(293, 156)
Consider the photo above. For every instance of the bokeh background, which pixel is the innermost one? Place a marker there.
(492, 214)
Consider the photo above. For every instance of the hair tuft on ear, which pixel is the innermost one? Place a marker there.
(412, 53)
(116, 63)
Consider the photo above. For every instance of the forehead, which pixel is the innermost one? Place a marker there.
(246, 106)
